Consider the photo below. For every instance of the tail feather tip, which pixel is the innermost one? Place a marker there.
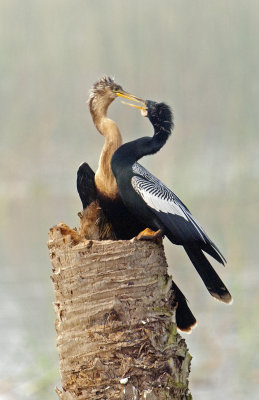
(223, 297)
(188, 329)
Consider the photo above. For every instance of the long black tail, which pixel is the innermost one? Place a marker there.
(86, 185)
(207, 273)
(185, 319)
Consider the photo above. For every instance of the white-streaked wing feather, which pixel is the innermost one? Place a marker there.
(139, 170)
(163, 200)
(157, 196)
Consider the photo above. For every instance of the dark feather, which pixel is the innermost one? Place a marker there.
(185, 319)
(207, 273)
(85, 185)
(182, 226)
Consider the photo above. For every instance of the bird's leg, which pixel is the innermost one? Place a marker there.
(148, 234)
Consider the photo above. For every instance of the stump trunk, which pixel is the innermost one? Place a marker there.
(116, 333)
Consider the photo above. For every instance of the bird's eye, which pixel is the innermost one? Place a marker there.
(116, 88)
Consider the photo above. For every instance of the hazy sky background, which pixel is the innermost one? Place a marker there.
(201, 58)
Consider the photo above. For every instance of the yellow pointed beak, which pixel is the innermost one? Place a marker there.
(131, 97)
(143, 108)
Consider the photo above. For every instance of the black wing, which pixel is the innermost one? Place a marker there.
(172, 212)
(85, 185)
(181, 228)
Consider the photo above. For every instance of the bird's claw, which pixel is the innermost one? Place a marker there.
(148, 234)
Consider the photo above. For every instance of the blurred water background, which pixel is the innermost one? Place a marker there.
(201, 58)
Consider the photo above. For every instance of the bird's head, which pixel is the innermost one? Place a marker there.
(103, 92)
(159, 114)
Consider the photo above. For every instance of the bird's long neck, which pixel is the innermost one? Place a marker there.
(104, 178)
(159, 139)
(131, 152)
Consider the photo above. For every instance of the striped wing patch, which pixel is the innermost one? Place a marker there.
(162, 200)
(157, 196)
(139, 170)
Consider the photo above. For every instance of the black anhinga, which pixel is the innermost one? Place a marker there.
(158, 207)
(102, 186)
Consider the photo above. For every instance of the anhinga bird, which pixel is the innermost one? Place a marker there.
(102, 186)
(124, 225)
(157, 207)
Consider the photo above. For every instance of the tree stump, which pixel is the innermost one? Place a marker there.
(116, 333)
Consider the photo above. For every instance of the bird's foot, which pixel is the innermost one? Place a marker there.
(148, 234)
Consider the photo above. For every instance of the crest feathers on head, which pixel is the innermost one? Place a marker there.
(100, 85)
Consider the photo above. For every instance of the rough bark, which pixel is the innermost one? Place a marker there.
(116, 334)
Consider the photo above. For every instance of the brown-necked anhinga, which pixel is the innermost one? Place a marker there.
(157, 207)
(103, 186)
(124, 225)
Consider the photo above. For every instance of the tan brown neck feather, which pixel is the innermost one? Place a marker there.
(104, 178)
